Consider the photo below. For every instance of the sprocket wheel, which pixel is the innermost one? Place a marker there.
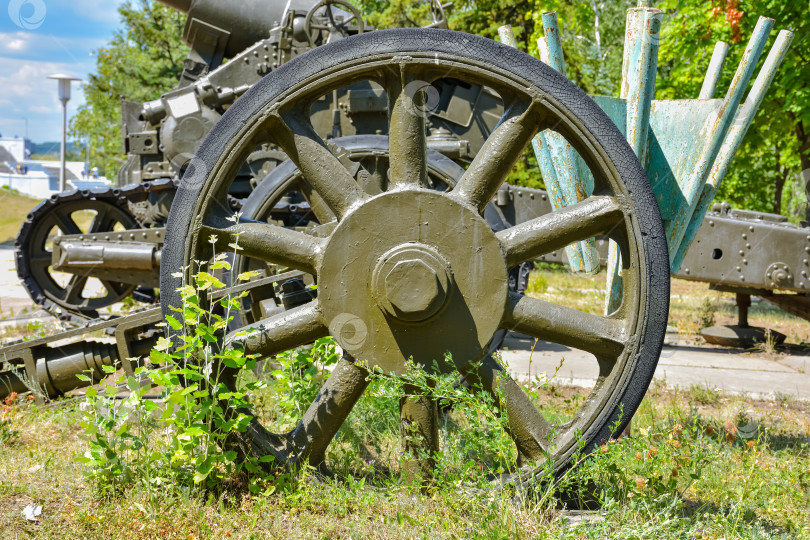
(414, 273)
(72, 297)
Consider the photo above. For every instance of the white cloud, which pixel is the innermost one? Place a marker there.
(28, 44)
(16, 42)
(16, 45)
(25, 87)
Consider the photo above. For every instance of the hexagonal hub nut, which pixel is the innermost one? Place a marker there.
(412, 282)
(413, 290)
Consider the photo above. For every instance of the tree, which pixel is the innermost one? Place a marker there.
(142, 61)
(767, 173)
(592, 32)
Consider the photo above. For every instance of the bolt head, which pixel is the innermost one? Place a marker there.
(413, 290)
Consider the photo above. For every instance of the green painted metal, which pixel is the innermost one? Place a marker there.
(714, 71)
(685, 145)
(638, 88)
(554, 154)
(714, 133)
(732, 142)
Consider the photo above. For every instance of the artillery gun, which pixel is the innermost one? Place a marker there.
(375, 165)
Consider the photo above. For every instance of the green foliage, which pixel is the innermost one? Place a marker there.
(187, 442)
(11, 409)
(766, 174)
(142, 61)
(592, 34)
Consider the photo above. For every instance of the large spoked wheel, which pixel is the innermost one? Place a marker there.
(412, 273)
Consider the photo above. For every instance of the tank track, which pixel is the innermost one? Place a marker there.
(120, 197)
(124, 198)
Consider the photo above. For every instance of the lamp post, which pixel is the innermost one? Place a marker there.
(64, 96)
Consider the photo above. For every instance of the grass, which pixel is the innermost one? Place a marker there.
(699, 464)
(15, 208)
(749, 483)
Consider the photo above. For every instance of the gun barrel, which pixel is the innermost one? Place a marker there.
(244, 22)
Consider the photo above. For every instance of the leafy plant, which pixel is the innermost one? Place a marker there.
(10, 411)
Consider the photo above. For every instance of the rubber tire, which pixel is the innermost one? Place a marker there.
(654, 259)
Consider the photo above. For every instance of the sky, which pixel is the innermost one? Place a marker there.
(40, 38)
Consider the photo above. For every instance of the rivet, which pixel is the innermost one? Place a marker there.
(747, 246)
(531, 195)
(745, 261)
(742, 278)
(751, 228)
(739, 269)
(711, 223)
(686, 271)
(745, 236)
(742, 253)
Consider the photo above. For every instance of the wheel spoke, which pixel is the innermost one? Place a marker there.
(328, 411)
(407, 141)
(556, 230)
(287, 330)
(66, 224)
(600, 336)
(316, 203)
(75, 288)
(269, 243)
(319, 166)
(102, 221)
(500, 152)
(532, 433)
(41, 260)
(115, 289)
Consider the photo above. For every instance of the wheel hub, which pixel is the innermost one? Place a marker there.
(419, 275)
(411, 282)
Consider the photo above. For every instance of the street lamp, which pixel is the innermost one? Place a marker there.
(64, 96)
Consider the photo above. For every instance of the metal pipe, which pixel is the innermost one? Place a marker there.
(542, 152)
(638, 89)
(714, 71)
(584, 257)
(180, 5)
(551, 31)
(745, 116)
(715, 131)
